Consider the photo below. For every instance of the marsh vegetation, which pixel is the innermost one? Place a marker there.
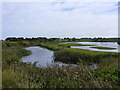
(109, 48)
(18, 74)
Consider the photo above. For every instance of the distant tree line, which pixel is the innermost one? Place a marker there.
(44, 39)
(41, 39)
(100, 39)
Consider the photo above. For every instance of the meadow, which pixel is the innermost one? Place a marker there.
(17, 74)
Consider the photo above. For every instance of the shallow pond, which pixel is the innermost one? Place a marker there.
(99, 44)
(42, 56)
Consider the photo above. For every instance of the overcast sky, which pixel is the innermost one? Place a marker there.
(60, 19)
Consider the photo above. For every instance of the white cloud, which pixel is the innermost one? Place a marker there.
(60, 19)
(60, 0)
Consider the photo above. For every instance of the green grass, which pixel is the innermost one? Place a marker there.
(17, 74)
(66, 54)
(75, 56)
(22, 75)
(74, 44)
(108, 48)
(55, 46)
(12, 52)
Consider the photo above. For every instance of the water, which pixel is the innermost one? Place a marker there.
(43, 56)
(93, 66)
(99, 44)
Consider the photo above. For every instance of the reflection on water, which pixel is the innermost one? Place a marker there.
(43, 56)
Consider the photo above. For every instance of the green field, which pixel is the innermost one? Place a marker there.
(17, 74)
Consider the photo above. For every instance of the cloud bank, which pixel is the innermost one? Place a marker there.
(60, 19)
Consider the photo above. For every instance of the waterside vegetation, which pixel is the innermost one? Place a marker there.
(17, 74)
(108, 48)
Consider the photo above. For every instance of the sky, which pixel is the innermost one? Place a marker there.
(59, 19)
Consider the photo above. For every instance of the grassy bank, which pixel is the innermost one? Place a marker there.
(74, 44)
(17, 74)
(108, 48)
(55, 46)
